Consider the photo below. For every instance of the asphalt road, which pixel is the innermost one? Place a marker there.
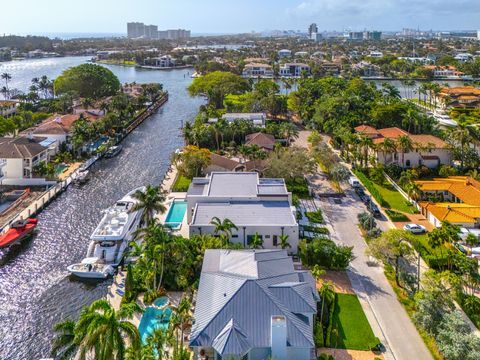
(387, 316)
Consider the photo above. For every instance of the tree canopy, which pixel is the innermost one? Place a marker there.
(88, 80)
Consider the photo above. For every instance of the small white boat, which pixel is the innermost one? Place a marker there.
(113, 151)
(82, 177)
(91, 268)
(110, 239)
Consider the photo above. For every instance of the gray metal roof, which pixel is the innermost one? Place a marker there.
(233, 311)
(261, 213)
(232, 184)
(272, 190)
(231, 340)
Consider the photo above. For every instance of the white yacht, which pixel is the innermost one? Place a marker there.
(110, 239)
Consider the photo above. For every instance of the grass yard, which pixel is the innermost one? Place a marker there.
(181, 184)
(394, 199)
(351, 324)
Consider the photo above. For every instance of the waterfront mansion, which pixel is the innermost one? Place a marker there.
(254, 205)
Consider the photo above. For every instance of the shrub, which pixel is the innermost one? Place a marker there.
(316, 229)
(299, 187)
(328, 338)
(315, 216)
(181, 184)
(318, 334)
(367, 221)
(325, 253)
(396, 216)
(394, 171)
(446, 170)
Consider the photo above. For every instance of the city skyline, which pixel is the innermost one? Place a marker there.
(216, 16)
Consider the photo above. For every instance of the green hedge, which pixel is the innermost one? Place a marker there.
(299, 187)
(371, 188)
(315, 216)
(316, 229)
(328, 338)
(396, 216)
(181, 184)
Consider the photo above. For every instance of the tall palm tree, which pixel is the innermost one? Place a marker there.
(7, 77)
(406, 145)
(105, 332)
(366, 144)
(461, 137)
(223, 227)
(387, 147)
(180, 321)
(151, 201)
(64, 346)
(289, 131)
(157, 343)
(327, 295)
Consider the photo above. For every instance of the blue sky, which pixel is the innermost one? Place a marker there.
(227, 16)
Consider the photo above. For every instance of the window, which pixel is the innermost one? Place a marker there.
(275, 240)
(234, 236)
(407, 163)
(267, 236)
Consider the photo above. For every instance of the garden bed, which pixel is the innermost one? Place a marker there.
(181, 184)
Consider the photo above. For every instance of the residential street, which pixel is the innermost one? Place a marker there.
(387, 316)
(389, 320)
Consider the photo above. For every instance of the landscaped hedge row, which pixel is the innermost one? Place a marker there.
(316, 229)
(371, 188)
(299, 187)
(396, 216)
(315, 216)
(328, 338)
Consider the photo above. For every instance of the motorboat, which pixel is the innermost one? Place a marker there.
(91, 268)
(110, 239)
(113, 151)
(17, 231)
(82, 177)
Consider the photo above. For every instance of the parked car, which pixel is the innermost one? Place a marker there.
(415, 228)
(366, 199)
(354, 182)
(373, 208)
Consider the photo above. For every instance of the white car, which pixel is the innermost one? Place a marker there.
(415, 228)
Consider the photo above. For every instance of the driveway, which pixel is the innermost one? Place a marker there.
(386, 315)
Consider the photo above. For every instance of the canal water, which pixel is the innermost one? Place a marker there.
(35, 290)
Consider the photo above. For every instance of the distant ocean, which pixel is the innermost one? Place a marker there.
(76, 35)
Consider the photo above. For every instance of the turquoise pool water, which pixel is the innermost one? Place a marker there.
(176, 214)
(154, 318)
(60, 168)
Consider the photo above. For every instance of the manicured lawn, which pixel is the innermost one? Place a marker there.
(349, 320)
(181, 184)
(394, 199)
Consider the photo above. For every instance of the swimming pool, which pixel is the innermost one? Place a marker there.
(154, 318)
(176, 214)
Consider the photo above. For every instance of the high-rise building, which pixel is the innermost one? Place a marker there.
(135, 30)
(478, 34)
(372, 35)
(355, 35)
(312, 29)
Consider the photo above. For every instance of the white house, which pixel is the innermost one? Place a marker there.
(8, 108)
(293, 69)
(258, 119)
(428, 150)
(284, 53)
(20, 155)
(164, 61)
(254, 205)
(376, 54)
(257, 70)
(253, 304)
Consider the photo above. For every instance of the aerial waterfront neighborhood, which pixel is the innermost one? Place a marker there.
(237, 194)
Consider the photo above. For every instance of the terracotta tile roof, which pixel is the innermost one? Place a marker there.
(461, 90)
(223, 162)
(366, 129)
(21, 147)
(464, 188)
(453, 212)
(393, 132)
(262, 140)
(60, 124)
(422, 139)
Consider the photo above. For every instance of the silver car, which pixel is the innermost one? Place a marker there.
(415, 228)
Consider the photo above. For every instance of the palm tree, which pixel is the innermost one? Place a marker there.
(223, 227)
(284, 241)
(180, 320)
(64, 346)
(107, 333)
(365, 143)
(387, 147)
(157, 342)
(474, 174)
(460, 134)
(289, 131)
(151, 201)
(405, 144)
(327, 295)
(257, 241)
(7, 77)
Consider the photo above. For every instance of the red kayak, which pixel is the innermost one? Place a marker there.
(18, 230)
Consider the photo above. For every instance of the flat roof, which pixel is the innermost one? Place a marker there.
(233, 184)
(265, 213)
